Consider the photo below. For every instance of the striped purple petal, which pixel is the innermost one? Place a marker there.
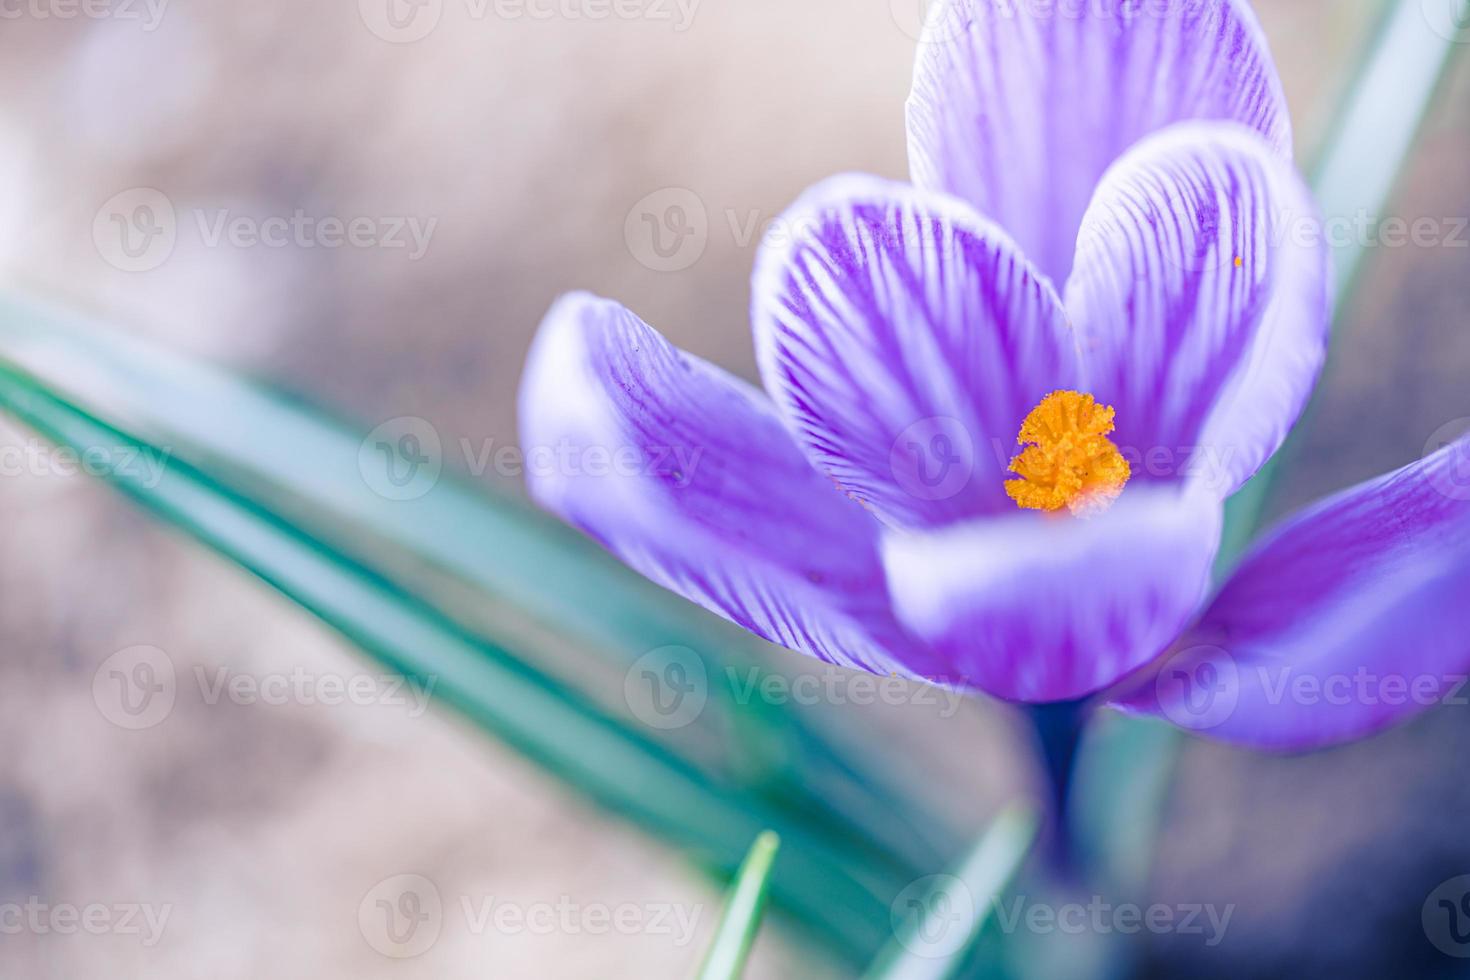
(1039, 608)
(686, 473)
(1352, 616)
(904, 339)
(1200, 292)
(1019, 107)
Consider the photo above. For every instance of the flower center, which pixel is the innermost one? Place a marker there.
(1068, 460)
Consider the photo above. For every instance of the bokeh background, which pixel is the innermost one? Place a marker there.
(533, 144)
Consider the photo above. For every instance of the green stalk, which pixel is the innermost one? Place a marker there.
(742, 917)
(976, 885)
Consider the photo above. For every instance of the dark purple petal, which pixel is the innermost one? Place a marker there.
(1043, 608)
(1352, 616)
(685, 472)
(1019, 107)
(904, 339)
(1200, 294)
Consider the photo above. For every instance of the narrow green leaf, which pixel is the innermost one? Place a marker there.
(743, 910)
(518, 575)
(835, 885)
(977, 884)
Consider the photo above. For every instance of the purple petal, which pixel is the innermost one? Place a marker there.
(904, 340)
(1201, 296)
(1352, 616)
(685, 472)
(1039, 608)
(1020, 107)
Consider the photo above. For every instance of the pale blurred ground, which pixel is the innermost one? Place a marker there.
(529, 141)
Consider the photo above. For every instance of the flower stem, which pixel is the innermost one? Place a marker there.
(1058, 732)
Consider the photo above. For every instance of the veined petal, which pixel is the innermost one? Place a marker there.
(1201, 295)
(685, 472)
(904, 340)
(1034, 608)
(1019, 107)
(1352, 616)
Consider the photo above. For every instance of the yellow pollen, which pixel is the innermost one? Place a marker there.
(1068, 460)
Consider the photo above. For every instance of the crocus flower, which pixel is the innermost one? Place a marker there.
(1005, 403)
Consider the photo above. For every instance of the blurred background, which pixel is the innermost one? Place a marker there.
(489, 158)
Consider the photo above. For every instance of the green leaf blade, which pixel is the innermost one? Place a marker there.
(743, 911)
(984, 875)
